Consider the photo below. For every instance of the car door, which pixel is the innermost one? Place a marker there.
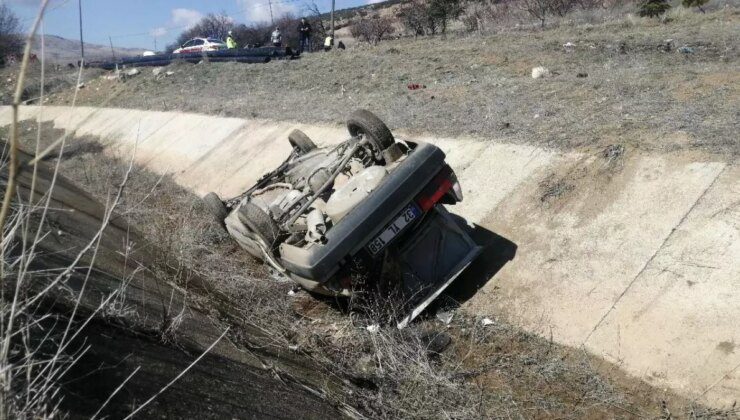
(196, 46)
(183, 48)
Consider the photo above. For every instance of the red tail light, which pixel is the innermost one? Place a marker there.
(436, 189)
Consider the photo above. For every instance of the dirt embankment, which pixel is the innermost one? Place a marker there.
(162, 317)
(624, 81)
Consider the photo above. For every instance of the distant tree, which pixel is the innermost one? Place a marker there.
(215, 25)
(320, 31)
(653, 8)
(695, 3)
(538, 9)
(427, 17)
(251, 36)
(541, 9)
(11, 42)
(211, 26)
(442, 11)
(288, 24)
(258, 34)
(372, 29)
(414, 17)
(563, 7)
(475, 15)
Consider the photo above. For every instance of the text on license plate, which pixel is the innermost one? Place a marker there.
(407, 215)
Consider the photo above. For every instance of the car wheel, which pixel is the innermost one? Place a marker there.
(299, 140)
(378, 134)
(259, 222)
(216, 207)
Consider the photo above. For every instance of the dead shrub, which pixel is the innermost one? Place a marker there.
(415, 19)
(485, 15)
(372, 29)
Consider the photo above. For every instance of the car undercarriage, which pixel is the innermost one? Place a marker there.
(370, 208)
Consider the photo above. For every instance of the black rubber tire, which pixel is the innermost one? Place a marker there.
(216, 207)
(259, 222)
(367, 123)
(301, 141)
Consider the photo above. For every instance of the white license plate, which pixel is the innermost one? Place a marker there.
(407, 215)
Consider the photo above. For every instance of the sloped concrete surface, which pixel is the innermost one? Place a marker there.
(680, 314)
(635, 258)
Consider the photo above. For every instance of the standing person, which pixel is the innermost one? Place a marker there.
(304, 33)
(230, 42)
(277, 38)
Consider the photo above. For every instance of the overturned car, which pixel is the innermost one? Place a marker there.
(364, 214)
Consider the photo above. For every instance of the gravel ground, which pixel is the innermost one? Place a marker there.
(618, 84)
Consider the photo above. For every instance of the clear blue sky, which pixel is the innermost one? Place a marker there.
(136, 23)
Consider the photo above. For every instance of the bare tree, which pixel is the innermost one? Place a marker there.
(562, 7)
(372, 29)
(443, 11)
(11, 42)
(317, 24)
(414, 17)
(211, 26)
(539, 9)
(695, 3)
(252, 35)
(258, 34)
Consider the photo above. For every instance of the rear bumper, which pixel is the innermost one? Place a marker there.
(320, 261)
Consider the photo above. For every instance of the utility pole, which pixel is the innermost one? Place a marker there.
(332, 20)
(272, 19)
(113, 53)
(82, 43)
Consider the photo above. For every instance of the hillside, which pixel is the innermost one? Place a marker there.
(63, 50)
(616, 82)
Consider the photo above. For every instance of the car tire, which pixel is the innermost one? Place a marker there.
(299, 140)
(259, 222)
(374, 129)
(216, 207)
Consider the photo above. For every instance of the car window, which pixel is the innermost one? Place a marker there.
(187, 44)
(215, 40)
(198, 42)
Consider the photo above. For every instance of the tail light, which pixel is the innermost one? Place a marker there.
(443, 185)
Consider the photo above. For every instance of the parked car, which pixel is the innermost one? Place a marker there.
(201, 44)
(366, 213)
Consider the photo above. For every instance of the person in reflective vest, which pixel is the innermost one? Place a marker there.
(230, 43)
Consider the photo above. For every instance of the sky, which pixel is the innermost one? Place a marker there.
(137, 23)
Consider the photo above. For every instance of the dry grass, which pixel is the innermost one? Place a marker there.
(480, 85)
(57, 79)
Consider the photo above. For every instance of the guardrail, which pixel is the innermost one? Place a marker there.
(244, 55)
